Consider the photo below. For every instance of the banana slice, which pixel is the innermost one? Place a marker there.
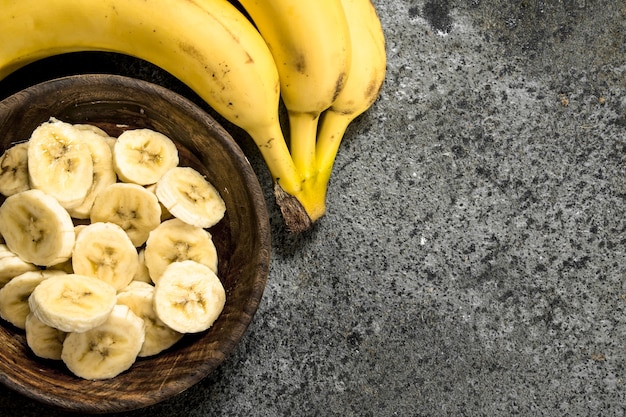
(72, 302)
(103, 172)
(66, 266)
(142, 274)
(190, 197)
(139, 297)
(189, 297)
(59, 162)
(14, 170)
(45, 341)
(14, 296)
(173, 241)
(130, 206)
(104, 251)
(106, 350)
(79, 228)
(142, 156)
(165, 214)
(37, 228)
(12, 265)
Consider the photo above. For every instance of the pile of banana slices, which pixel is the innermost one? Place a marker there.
(105, 254)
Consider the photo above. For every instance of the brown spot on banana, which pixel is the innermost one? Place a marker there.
(339, 84)
(372, 91)
(217, 72)
(299, 63)
(268, 144)
(345, 112)
(191, 50)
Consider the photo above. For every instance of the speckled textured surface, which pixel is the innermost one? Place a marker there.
(471, 261)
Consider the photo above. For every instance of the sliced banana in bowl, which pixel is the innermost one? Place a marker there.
(37, 228)
(14, 169)
(60, 162)
(187, 195)
(188, 297)
(175, 241)
(143, 156)
(139, 297)
(72, 302)
(132, 207)
(105, 251)
(14, 296)
(211, 243)
(106, 350)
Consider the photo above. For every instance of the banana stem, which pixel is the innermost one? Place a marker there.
(271, 143)
(301, 200)
(319, 162)
(333, 127)
(303, 132)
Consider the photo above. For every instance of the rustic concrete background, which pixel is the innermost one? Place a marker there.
(472, 258)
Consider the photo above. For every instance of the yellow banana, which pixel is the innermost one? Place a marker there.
(362, 87)
(208, 44)
(310, 42)
(304, 55)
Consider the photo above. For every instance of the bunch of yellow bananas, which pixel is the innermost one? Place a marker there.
(325, 59)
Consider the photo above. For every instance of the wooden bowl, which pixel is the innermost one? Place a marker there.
(242, 239)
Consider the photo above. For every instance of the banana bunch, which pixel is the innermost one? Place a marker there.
(117, 262)
(330, 56)
(325, 60)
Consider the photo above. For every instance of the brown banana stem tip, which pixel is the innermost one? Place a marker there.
(295, 216)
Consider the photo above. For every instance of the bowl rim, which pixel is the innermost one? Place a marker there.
(262, 258)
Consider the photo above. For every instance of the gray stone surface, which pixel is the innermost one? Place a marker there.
(471, 261)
